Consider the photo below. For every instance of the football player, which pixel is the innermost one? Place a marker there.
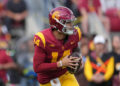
(54, 48)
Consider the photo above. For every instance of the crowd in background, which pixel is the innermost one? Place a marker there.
(99, 21)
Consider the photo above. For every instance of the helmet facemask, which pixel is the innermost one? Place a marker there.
(68, 26)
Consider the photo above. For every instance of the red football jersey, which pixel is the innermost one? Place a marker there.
(49, 50)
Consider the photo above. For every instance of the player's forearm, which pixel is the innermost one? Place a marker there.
(44, 67)
(39, 63)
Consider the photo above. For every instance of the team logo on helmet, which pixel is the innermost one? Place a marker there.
(56, 15)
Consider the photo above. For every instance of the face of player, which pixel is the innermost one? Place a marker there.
(69, 25)
(69, 28)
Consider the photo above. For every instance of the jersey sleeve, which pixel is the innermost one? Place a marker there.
(39, 40)
(39, 59)
(79, 34)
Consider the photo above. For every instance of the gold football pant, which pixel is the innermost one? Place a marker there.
(66, 79)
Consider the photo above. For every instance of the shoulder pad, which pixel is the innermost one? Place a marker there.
(39, 39)
(79, 32)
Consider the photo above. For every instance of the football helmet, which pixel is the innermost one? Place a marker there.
(62, 19)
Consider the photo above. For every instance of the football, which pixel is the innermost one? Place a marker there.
(77, 68)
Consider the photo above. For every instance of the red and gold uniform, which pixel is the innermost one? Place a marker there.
(49, 50)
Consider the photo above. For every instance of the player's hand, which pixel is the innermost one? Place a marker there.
(75, 60)
(70, 62)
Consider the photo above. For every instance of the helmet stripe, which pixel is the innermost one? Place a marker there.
(55, 15)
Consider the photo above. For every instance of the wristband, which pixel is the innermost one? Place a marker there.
(60, 62)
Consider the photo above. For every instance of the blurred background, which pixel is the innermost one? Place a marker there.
(99, 21)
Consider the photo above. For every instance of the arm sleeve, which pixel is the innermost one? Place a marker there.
(109, 69)
(39, 59)
(88, 72)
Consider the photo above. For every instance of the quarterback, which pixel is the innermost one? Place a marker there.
(53, 61)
